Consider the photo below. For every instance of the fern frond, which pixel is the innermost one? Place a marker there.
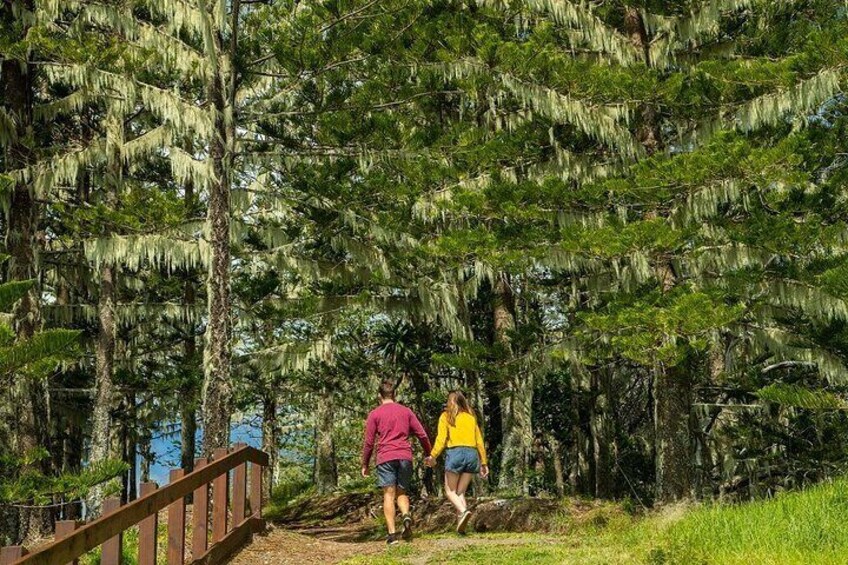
(800, 397)
(43, 345)
(13, 291)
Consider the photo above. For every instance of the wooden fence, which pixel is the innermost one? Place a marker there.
(235, 516)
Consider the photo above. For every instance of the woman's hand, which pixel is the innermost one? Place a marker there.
(429, 461)
(484, 471)
(364, 471)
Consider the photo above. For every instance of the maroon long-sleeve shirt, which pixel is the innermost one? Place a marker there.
(392, 423)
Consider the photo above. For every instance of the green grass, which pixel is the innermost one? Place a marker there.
(809, 527)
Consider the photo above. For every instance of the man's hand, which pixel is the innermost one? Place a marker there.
(365, 471)
(429, 461)
(484, 471)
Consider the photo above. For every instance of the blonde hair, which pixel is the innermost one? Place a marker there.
(456, 403)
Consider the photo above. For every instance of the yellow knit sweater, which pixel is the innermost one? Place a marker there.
(466, 433)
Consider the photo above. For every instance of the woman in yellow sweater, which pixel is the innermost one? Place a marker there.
(465, 455)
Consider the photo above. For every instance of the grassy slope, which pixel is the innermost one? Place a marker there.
(809, 527)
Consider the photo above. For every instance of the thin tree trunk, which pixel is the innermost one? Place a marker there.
(188, 401)
(217, 389)
(130, 427)
(145, 452)
(325, 475)
(270, 432)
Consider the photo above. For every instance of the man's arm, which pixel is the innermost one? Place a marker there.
(420, 433)
(368, 443)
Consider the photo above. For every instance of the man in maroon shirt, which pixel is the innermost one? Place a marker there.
(393, 423)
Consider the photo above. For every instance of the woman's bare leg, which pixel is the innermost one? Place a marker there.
(451, 483)
(462, 486)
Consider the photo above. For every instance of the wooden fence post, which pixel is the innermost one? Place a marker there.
(64, 528)
(111, 550)
(176, 525)
(200, 515)
(220, 487)
(255, 490)
(239, 491)
(147, 538)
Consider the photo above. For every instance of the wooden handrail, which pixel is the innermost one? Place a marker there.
(105, 528)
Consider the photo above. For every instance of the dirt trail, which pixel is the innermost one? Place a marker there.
(287, 547)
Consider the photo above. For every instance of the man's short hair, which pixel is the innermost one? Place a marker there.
(387, 390)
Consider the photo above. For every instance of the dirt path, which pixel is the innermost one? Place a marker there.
(286, 547)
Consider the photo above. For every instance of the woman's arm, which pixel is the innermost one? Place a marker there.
(481, 447)
(441, 437)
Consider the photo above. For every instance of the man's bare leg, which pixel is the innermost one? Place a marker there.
(389, 507)
(402, 501)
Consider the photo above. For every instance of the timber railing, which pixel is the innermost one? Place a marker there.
(235, 509)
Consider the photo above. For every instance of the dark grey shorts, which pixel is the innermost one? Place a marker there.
(462, 460)
(397, 472)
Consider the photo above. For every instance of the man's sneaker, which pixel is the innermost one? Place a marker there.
(392, 539)
(406, 533)
(463, 522)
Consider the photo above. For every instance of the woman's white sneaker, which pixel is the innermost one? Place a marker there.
(463, 522)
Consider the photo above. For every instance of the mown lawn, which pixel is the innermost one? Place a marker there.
(809, 527)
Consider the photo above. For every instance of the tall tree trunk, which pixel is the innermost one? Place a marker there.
(481, 485)
(325, 471)
(559, 469)
(603, 434)
(72, 460)
(188, 434)
(104, 444)
(30, 405)
(188, 402)
(188, 405)
(129, 426)
(516, 400)
(270, 433)
(580, 472)
(673, 401)
(673, 391)
(217, 389)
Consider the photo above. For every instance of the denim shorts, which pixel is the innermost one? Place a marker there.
(397, 472)
(462, 460)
